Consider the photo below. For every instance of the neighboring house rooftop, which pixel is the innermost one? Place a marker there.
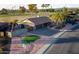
(39, 20)
(4, 26)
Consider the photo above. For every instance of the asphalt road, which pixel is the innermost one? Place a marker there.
(68, 43)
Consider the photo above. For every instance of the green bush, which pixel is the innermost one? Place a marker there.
(29, 39)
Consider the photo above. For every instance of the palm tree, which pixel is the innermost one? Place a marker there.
(13, 25)
(58, 18)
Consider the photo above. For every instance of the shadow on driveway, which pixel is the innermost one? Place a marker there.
(45, 31)
(66, 40)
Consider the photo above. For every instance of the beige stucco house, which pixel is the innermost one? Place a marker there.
(36, 23)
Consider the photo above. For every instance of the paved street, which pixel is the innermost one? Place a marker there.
(67, 43)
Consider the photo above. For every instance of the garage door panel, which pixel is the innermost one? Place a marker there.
(38, 26)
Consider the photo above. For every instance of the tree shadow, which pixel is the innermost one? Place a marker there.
(45, 31)
(66, 40)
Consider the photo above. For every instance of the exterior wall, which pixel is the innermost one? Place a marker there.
(43, 25)
(9, 34)
(29, 23)
(20, 26)
(47, 24)
(30, 28)
(39, 26)
(1, 34)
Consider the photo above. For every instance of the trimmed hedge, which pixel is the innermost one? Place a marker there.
(29, 39)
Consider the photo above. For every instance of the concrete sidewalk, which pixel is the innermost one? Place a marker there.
(16, 46)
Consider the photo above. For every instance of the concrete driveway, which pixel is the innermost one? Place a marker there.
(45, 32)
(42, 32)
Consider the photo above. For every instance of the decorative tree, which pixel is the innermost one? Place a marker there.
(58, 18)
(4, 11)
(32, 8)
(22, 9)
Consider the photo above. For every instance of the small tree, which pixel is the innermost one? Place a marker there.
(58, 18)
(13, 24)
(22, 9)
(4, 11)
(32, 8)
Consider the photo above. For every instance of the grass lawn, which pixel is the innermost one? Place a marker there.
(10, 18)
(29, 39)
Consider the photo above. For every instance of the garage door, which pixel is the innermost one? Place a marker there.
(30, 28)
(38, 26)
(45, 24)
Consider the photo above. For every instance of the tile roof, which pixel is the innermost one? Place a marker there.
(39, 20)
(4, 26)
